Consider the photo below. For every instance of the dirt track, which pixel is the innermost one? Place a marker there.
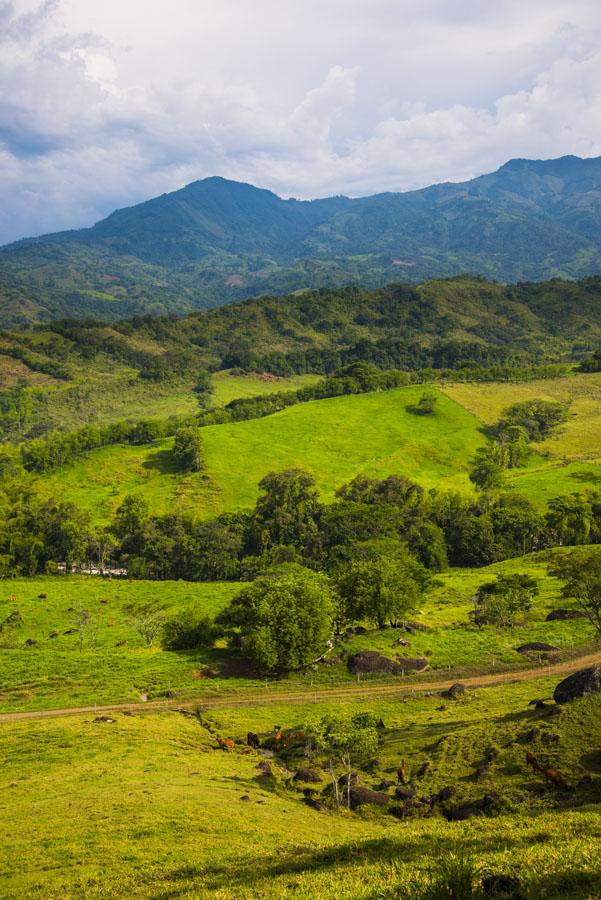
(334, 693)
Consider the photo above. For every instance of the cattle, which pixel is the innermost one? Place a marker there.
(252, 740)
(226, 743)
(402, 772)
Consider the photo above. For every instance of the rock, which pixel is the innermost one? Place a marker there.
(368, 661)
(585, 779)
(30, 642)
(536, 647)
(70, 631)
(550, 738)
(404, 793)
(384, 785)
(314, 804)
(268, 754)
(354, 778)
(401, 642)
(362, 795)
(537, 703)
(252, 740)
(412, 627)
(441, 708)
(245, 798)
(265, 769)
(502, 886)
(42, 596)
(562, 614)
(309, 776)
(585, 681)
(428, 653)
(444, 794)
(530, 736)
(554, 711)
(454, 692)
(473, 808)
(422, 769)
(104, 719)
(53, 634)
(492, 753)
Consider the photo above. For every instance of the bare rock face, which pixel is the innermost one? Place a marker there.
(586, 681)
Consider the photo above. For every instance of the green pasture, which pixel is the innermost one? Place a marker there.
(56, 672)
(334, 440)
(148, 806)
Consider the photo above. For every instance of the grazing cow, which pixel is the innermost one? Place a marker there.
(278, 734)
(252, 740)
(402, 772)
(532, 761)
(226, 743)
(552, 776)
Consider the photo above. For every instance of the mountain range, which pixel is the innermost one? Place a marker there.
(217, 241)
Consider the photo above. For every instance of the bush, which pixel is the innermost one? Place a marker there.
(189, 631)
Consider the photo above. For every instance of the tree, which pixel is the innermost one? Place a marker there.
(147, 619)
(82, 621)
(539, 418)
(284, 618)
(286, 513)
(344, 742)
(189, 630)
(187, 448)
(204, 388)
(581, 571)
(500, 602)
(487, 471)
(384, 582)
(426, 405)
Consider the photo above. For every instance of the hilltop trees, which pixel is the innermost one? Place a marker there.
(187, 449)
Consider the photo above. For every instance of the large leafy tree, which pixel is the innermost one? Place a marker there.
(287, 513)
(382, 584)
(500, 602)
(284, 618)
(581, 571)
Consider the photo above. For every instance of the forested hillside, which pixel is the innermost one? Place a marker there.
(217, 241)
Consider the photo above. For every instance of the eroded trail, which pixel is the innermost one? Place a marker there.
(319, 695)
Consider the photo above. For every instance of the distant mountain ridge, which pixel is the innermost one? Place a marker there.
(216, 240)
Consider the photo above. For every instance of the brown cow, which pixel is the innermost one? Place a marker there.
(226, 743)
(402, 772)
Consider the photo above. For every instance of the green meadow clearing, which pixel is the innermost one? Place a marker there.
(336, 439)
(147, 805)
(115, 667)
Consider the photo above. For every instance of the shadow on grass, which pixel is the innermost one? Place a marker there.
(586, 477)
(413, 849)
(163, 462)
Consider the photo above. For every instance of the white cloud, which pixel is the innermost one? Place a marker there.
(108, 102)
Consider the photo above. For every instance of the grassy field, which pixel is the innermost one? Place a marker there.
(333, 439)
(147, 806)
(57, 673)
(578, 439)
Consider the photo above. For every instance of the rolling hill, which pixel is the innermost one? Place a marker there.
(216, 241)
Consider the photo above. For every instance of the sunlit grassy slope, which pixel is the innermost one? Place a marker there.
(569, 460)
(115, 666)
(148, 806)
(332, 439)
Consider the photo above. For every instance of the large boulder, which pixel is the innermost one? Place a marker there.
(537, 647)
(370, 661)
(559, 615)
(585, 681)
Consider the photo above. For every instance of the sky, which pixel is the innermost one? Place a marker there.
(104, 103)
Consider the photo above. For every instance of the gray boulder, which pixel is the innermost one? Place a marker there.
(586, 681)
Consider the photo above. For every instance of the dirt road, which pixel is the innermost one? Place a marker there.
(315, 696)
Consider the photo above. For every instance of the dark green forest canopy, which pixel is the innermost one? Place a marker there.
(446, 323)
